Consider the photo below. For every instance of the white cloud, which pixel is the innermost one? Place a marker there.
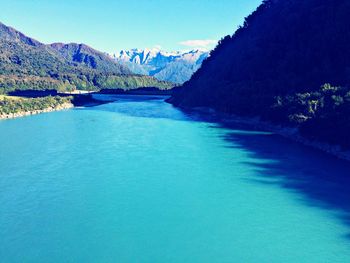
(199, 43)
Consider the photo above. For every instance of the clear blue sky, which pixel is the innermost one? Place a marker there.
(109, 25)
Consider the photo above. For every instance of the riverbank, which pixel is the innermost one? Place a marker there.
(286, 132)
(79, 98)
(63, 106)
(294, 135)
(14, 107)
(26, 103)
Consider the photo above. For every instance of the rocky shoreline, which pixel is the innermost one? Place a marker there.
(294, 135)
(28, 113)
(286, 132)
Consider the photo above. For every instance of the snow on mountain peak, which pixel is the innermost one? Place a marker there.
(175, 66)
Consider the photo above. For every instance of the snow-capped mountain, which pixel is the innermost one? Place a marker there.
(176, 67)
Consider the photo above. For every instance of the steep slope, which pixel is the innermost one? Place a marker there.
(22, 54)
(274, 65)
(14, 42)
(83, 54)
(11, 34)
(176, 67)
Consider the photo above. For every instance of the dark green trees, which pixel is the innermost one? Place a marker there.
(283, 52)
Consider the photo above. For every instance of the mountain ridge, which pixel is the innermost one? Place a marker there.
(26, 63)
(176, 66)
(7, 32)
(88, 56)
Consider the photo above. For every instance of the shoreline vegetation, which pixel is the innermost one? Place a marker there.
(15, 107)
(295, 135)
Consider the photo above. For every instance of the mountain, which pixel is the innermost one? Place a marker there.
(277, 66)
(22, 54)
(176, 67)
(11, 34)
(83, 54)
(26, 63)
(31, 54)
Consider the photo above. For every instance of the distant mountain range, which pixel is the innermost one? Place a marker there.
(176, 67)
(26, 63)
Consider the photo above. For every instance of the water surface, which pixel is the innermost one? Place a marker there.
(140, 181)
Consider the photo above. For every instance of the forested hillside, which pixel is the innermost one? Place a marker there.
(87, 56)
(275, 66)
(26, 63)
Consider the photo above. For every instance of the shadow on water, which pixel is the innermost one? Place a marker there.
(143, 106)
(150, 106)
(320, 179)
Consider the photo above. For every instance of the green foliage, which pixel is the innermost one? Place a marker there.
(129, 82)
(10, 105)
(13, 82)
(323, 115)
(284, 47)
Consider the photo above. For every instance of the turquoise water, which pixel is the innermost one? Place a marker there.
(140, 181)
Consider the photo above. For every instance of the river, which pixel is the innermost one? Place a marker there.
(138, 180)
